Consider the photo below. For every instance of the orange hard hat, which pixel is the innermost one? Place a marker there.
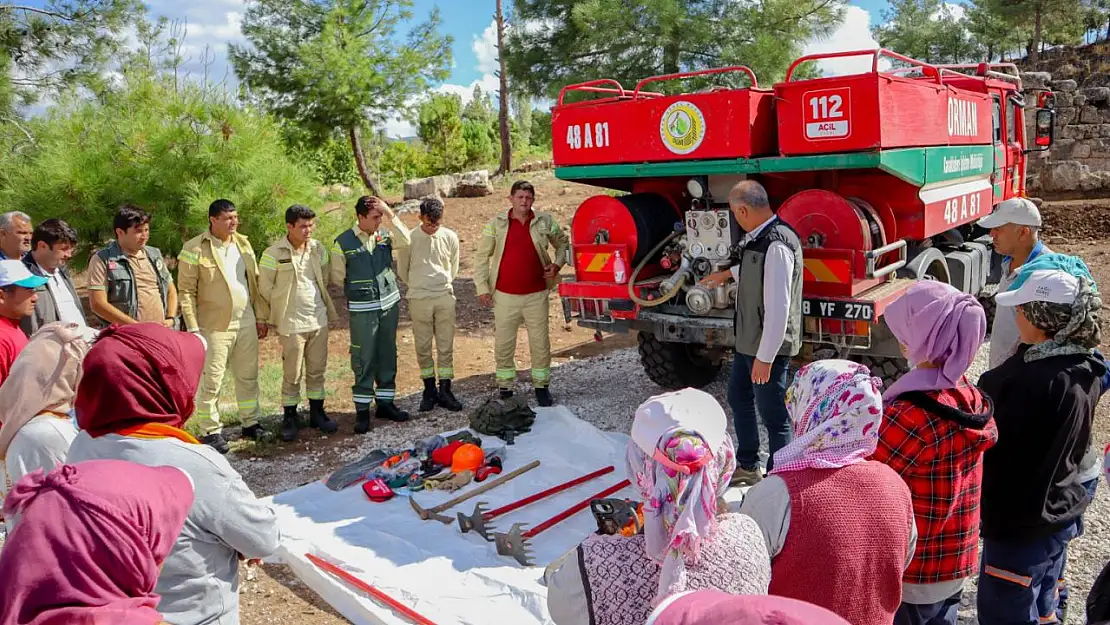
(468, 457)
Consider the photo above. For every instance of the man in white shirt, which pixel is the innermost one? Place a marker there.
(768, 326)
(1014, 226)
(218, 282)
(52, 245)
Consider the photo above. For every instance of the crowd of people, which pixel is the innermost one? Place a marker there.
(871, 508)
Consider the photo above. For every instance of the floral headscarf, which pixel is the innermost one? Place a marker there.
(1071, 328)
(680, 509)
(836, 407)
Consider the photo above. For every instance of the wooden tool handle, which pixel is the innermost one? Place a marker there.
(485, 487)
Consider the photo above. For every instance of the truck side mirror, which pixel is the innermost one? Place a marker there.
(1044, 129)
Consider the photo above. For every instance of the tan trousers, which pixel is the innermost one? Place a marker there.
(303, 355)
(434, 317)
(238, 350)
(509, 311)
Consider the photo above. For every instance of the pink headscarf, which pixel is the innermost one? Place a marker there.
(713, 607)
(90, 542)
(940, 325)
(684, 428)
(836, 407)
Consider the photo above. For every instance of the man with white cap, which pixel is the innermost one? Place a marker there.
(1044, 400)
(17, 301)
(1014, 226)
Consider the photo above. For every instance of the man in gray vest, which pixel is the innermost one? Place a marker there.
(362, 262)
(128, 280)
(768, 326)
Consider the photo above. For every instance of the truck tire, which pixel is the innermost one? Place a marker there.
(676, 365)
(886, 369)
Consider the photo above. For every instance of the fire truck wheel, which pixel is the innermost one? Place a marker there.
(886, 369)
(677, 365)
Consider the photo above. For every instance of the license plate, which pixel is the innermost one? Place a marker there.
(838, 309)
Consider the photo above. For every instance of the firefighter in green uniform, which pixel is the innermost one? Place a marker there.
(362, 262)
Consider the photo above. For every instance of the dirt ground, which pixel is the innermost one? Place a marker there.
(271, 594)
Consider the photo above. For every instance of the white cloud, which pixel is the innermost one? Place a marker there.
(854, 33)
(485, 54)
(485, 49)
(210, 25)
(957, 11)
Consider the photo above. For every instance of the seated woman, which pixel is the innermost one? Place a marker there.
(937, 427)
(89, 543)
(680, 458)
(713, 607)
(839, 527)
(36, 399)
(135, 395)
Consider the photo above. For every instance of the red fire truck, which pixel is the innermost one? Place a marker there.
(883, 174)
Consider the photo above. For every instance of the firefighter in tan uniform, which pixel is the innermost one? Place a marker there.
(293, 300)
(428, 267)
(218, 284)
(513, 272)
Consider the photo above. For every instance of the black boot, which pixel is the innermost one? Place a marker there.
(319, 419)
(506, 393)
(543, 396)
(289, 424)
(362, 421)
(447, 398)
(389, 410)
(430, 398)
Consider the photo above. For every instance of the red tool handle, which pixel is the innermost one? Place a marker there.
(370, 590)
(547, 493)
(578, 507)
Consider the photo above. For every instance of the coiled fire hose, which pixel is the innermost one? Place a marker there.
(643, 263)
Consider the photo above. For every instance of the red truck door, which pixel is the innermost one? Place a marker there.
(1014, 181)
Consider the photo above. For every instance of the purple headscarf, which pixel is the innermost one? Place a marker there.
(90, 541)
(936, 324)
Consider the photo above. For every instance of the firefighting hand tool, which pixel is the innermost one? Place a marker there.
(618, 516)
(434, 512)
(478, 521)
(515, 542)
(392, 603)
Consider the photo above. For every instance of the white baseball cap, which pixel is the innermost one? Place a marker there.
(1042, 285)
(15, 273)
(1016, 210)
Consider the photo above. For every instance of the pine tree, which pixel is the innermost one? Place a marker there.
(338, 64)
(558, 42)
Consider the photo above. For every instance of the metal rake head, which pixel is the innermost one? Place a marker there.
(476, 522)
(514, 544)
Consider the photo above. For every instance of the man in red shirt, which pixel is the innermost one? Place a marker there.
(514, 274)
(17, 301)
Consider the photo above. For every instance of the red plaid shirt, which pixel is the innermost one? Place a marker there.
(942, 463)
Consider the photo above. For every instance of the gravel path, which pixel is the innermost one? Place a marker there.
(605, 391)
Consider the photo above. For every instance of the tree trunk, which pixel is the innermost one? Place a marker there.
(1035, 48)
(670, 57)
(503, 112)
(355, 134)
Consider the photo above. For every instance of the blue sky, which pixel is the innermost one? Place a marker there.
(213, 24)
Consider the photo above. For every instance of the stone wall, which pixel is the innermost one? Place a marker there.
(1079, 162)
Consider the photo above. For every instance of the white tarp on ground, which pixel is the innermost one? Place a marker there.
(433, 568)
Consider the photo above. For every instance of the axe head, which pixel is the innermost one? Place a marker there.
(476, 522)
(426, 514)
(514, 544)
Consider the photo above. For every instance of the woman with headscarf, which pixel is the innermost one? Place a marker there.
(1044, 400)
(937, 426)
(135, 395)
(713, 607)
(36, 399)
(89, 543)
(839, 527)
(680, 458)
